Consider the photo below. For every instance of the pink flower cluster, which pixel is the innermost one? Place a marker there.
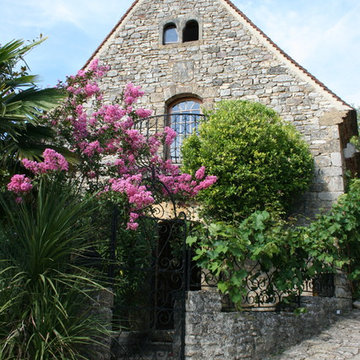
(170, 135)
(132, 93)
(19, 184)
(185, 185)
(92, 148)
(81, 85)
(181, 183)
(111, 113)
(98, 70)
(138, 196)
(143, 113)
(108, 143)
(91, 89)
(132, 224)
(53, 161)
(200, 173)
(135, 139)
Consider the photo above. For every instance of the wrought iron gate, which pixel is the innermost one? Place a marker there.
(149, 272)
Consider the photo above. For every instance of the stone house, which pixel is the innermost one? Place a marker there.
(188, 54)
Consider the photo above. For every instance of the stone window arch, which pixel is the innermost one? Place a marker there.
(183, 116)
(191, 31)
(170, 34)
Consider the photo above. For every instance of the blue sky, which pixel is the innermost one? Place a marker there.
(322, 35)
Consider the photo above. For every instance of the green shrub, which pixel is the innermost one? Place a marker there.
(261, 162)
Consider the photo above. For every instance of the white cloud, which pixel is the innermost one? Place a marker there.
(46, 14)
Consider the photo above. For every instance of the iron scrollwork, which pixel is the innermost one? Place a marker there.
(150, 279)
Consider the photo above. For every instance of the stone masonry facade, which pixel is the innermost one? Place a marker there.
(232, 59)
(213, 334)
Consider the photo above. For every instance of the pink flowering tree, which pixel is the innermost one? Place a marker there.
(113, 158)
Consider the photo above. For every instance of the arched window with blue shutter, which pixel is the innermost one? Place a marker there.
(170, 34)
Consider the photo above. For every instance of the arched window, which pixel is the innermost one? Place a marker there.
(184, 117)
(170, 34)
(191, 31)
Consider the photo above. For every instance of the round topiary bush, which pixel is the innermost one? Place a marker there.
(260, 161)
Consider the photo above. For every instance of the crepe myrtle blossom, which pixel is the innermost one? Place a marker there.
(170, 135)
(53, 161)
(107, 145)
(132, 93)
(139, 197)
(92, 148)
(19, 184)
(143, 113)
(185, 185)
(199, 175)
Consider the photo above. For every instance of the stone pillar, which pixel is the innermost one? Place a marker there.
(102, 304)
(201, 339)
(342, 290)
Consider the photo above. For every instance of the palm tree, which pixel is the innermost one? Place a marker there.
(21, 105)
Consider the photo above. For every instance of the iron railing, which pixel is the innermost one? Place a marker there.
(184, 124)
(260, 293)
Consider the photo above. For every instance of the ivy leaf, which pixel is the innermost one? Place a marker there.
(190, 240)
(223, 287)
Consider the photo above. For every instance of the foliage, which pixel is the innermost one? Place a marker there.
(134, 256)
(236, 254)
(261, 162)
(340, 230)
(42, 289)
(114, 160)
(21, 105)
(291, 254)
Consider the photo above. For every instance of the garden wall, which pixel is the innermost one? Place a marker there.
(213, 334)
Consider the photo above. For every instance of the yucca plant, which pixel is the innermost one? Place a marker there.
(45, 297)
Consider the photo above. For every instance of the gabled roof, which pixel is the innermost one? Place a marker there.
(256, 31)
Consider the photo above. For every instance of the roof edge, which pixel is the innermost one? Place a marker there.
(283, 53)
(251, 24)
(111, 32)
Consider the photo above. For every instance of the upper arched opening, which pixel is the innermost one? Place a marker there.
(170, 34)
(191, 31)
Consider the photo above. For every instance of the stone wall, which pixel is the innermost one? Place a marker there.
(231, 60)
(212, 334)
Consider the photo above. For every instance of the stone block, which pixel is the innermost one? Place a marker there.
(157, 97)
(225, 92)
(329, 196)
(332, 117)
(331, 171)
(282, 78)
(323, 161)
(335, 184)
(203, 301)
(336, 159)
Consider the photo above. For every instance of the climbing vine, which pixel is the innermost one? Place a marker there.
(293, 254)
